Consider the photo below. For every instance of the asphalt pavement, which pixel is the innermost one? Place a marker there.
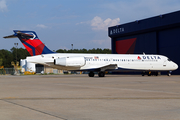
(79, 97)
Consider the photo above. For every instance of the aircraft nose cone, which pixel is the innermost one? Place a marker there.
(175, 66)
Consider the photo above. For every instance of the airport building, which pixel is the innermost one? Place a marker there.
(37, 68)
(155, 35)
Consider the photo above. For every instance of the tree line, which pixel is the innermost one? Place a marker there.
(98, 50)
(15, 54)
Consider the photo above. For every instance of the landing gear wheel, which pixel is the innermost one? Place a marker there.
(143, 73)
(156, 73)
(168, 73)
(91, 74)
(101, 74)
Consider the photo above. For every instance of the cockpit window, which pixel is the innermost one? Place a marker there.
(168, 59)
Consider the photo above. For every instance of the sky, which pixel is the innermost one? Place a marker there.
(83, 23)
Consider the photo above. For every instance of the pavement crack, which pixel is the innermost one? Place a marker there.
(92, 98)
(34, 109)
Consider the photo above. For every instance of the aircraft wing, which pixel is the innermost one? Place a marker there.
(98, 68)
(109, 67)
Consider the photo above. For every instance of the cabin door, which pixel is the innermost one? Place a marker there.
(165, 63)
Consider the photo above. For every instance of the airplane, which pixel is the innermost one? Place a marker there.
(40, 54)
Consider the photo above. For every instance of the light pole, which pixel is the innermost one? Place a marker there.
(17, 63)
(72, 46)
(16, 44)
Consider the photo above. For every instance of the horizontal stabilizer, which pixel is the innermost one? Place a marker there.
(18, 33)
(10, 36)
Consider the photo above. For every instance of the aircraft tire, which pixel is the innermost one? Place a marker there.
(156, 73)
(91, 74)
(101, 74)
(168, 73)
(143, 73)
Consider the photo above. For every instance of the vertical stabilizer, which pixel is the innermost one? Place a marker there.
(31, 42)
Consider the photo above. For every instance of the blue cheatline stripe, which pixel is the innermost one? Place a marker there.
(33, 48)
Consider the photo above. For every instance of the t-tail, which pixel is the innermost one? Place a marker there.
(31, 42)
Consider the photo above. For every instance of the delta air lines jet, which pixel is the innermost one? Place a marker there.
(40, 54)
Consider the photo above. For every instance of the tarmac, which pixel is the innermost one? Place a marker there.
(79, 97)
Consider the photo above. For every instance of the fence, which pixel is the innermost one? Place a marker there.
(11, 71)
(4, 71)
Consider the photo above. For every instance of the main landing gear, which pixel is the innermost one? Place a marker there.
(100, 74)
(149, 73)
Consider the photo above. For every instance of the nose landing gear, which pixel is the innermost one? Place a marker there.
(169, 73)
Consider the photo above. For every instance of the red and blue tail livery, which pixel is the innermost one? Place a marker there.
(31, 42)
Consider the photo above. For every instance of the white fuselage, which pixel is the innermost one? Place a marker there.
(104, 62)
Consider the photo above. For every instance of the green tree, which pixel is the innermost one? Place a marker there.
(98, 50)
(1, 61)
(6, 57)
(60, 51)
(19, 53)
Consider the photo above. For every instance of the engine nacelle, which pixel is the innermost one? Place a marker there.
(70, 61)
